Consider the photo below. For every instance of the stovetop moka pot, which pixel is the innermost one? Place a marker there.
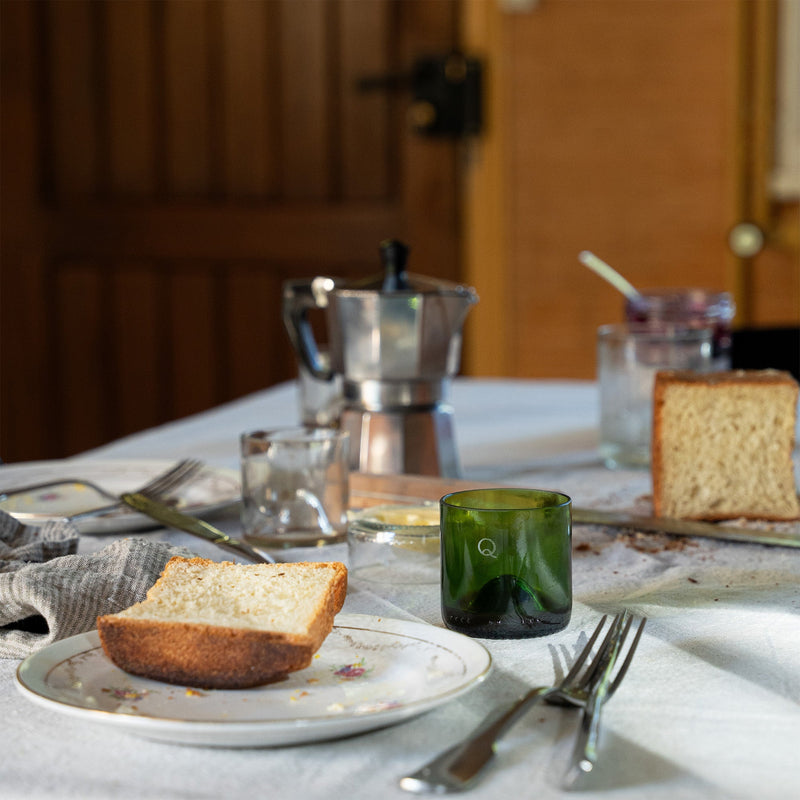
(395, 340)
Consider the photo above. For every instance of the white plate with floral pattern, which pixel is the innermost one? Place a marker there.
(369, 673)
(211, 490)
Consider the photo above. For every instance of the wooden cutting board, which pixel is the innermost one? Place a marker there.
(369, 490)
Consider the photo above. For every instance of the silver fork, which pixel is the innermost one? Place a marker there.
(579, 695)
(459, 767)
(159, 487)
(584, 755)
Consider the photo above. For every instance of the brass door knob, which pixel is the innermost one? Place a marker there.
(746, 240)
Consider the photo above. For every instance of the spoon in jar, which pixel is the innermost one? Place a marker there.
(608, 273)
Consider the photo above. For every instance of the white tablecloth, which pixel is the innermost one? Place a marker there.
(709, 709)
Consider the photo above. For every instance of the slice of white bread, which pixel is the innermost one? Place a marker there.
(226, 626)
(722, 445)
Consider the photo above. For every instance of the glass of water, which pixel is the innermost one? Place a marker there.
(628, 357)
(295, 487)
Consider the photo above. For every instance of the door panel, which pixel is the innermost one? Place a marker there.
(137, 300)
(625, 128)
(168, 165)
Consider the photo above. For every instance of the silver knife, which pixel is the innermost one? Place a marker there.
(197, 527)
(685, 527)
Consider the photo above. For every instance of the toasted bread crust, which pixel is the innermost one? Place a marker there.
(216, 656)
(199, 655)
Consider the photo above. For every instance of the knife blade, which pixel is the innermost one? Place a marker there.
(685, 527)
(419, 488)
(197, 527)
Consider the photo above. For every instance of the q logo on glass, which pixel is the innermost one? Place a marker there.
(488, 548)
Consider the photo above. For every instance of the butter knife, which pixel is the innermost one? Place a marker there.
(197, 527)
(685, 527)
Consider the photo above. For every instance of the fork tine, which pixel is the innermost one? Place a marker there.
(607, 658)
(167, 481)
(629, 657)
(156, 488)
(576, 684)
(597, 662)
(584, 654)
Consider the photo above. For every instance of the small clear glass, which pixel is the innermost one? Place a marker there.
(295, 487)
(628, 357)
(506, 562)
(395, 544)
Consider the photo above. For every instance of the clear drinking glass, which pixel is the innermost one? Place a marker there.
(628, 357)
(395, 544)
(506, 562)
(295, 486)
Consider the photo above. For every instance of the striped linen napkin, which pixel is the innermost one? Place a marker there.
(48, 591)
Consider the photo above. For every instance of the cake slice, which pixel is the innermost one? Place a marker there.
(226, 626)
(722, 445)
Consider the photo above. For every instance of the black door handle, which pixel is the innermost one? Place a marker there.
(446, 93)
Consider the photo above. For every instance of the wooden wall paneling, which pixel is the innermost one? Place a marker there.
(767, 286)
(367, 141)
(84, 393)
(619, 121)
(184, 144)
(315, 232)
(187, 111)
(256, 341)
(249, 142)
(484, 221)
(305, 100)
(72, 147)
(139, 359)
(776, 290)
(24, 324)
(129, 81)
(430, 169)
(194, 337)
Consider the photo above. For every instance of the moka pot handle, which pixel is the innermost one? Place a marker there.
(299, 298)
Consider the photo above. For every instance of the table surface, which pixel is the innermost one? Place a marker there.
(710, 707)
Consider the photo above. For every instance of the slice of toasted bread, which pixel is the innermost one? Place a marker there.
(722, 445)
(226, 626)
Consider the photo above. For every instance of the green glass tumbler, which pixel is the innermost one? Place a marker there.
(506, 562)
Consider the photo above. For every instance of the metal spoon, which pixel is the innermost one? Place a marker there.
(608, 273)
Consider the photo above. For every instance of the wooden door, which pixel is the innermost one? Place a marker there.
(637, 130)
(166, 165)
